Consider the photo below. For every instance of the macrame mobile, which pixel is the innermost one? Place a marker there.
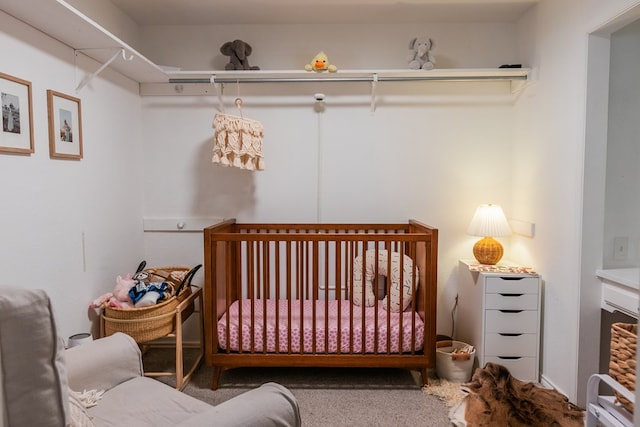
(237, 140)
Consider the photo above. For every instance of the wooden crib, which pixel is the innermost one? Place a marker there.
(320, 295)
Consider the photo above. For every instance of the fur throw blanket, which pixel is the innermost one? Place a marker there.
(498, 399)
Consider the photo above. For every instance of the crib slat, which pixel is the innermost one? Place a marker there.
(265, 293)
(277, 294)
(351, 286)
(414, 291)
(401, 279)
(387, 313)
(376, 282)
(314, 294)
(300, 248)
(339, 295)
(362, 308)
(289, 296)
(326, 295)
(228, 285)
(252, 291)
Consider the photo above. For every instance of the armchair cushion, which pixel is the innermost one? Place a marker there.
(29, 343)
(271, 405)
(103, 364)
(145, 402)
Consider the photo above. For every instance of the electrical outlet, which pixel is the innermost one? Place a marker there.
(620, 248)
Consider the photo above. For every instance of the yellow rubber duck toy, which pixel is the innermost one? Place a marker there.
(320, 63)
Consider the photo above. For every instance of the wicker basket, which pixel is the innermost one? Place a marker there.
(146, 324)
(622, 365)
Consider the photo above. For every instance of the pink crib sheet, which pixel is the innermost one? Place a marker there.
(350, 330)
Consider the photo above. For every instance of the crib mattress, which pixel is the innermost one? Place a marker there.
(326, 334)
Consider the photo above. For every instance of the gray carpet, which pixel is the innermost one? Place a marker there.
(333, 397)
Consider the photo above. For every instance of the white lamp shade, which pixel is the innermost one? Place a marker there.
(489, 221)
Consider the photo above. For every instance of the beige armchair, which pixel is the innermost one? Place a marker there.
(42, 384)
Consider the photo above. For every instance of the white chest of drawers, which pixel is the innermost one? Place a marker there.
(499, 314)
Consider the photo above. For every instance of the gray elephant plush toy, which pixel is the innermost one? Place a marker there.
(238, 52)
(420, 56)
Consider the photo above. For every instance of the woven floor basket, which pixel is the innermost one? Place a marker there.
(146, 324)
(622, 364)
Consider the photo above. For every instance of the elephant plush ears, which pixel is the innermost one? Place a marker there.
(419, 40)
(239, 47)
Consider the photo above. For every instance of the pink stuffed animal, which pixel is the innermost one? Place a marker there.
(119, 298)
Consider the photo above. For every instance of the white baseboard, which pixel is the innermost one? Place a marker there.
(545, 382)
(549, 384)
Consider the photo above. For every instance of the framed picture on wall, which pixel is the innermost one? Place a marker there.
(17, 115)
(65, 126)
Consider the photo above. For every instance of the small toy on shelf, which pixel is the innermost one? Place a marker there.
(238, 52)
(420, 56)
(320, 63)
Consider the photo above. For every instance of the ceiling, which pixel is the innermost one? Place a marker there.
(209, 12)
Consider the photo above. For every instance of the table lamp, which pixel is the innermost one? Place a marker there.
(489, 222)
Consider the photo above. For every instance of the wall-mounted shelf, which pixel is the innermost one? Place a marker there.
(200, 82)
(400, 75)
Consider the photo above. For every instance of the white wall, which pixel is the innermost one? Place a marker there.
(551, 117)
(622, 204)
(47, 206)
(356, 46)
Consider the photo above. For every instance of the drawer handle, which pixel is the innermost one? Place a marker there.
(511, 278)
(509, 335)
(511, 311)
(511, 295)
(509, 357)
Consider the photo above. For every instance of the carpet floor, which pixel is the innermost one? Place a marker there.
(333, 397)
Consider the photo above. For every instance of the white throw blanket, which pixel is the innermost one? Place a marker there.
(79, 402)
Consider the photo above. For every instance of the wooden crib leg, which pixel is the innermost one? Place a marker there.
(425, 376)
(217, 371)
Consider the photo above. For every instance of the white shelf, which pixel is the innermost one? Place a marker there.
(66, 24)
(288, 76)
(200, 82)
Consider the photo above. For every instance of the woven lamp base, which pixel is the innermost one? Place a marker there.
(488, 251)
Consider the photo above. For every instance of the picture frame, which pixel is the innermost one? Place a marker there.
(65, 126)
(16, 134)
